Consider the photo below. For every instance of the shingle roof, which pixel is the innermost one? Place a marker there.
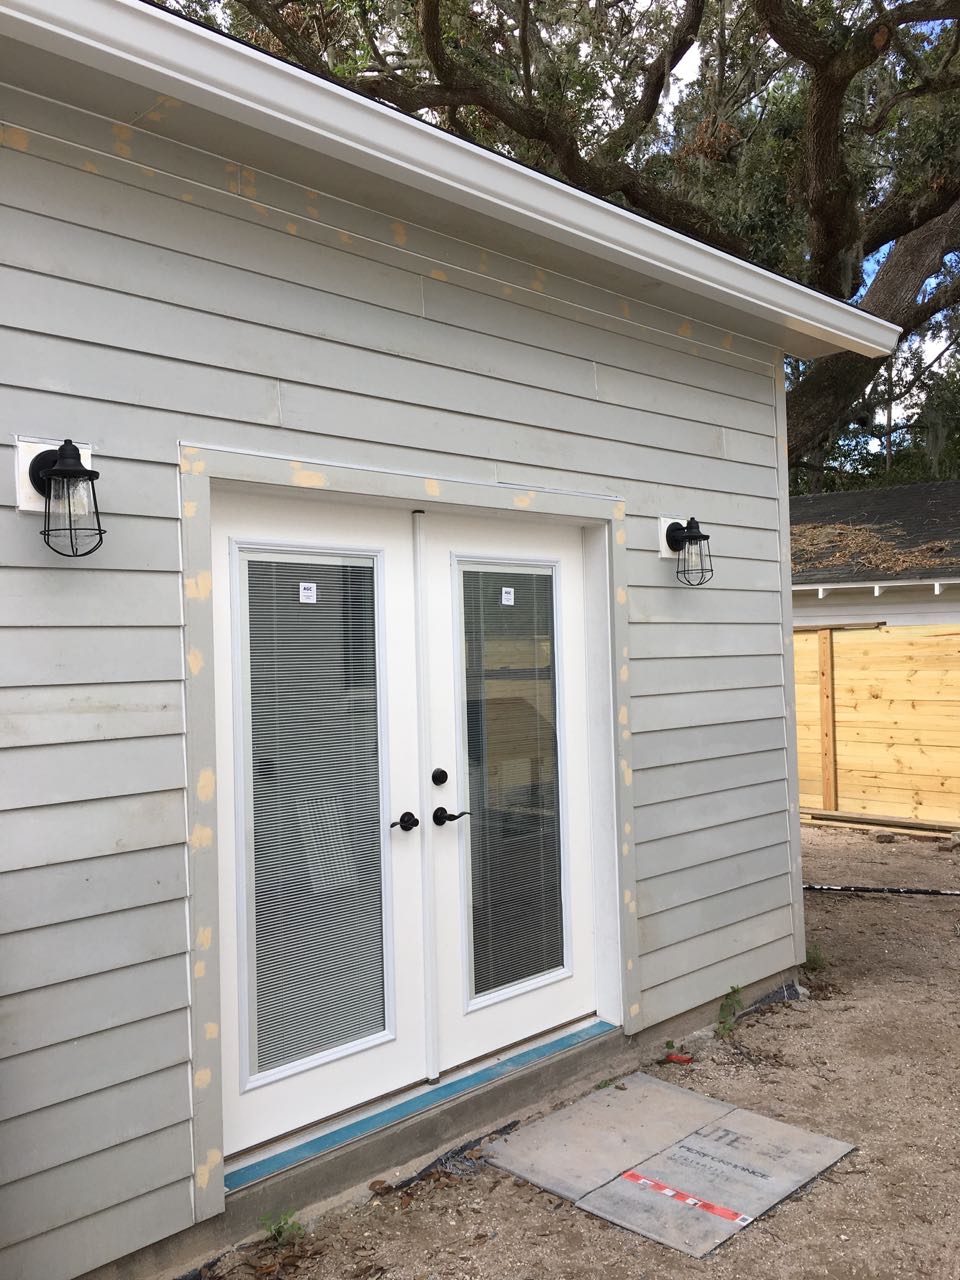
(901, 532)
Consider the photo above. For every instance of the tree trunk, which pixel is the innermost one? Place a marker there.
(821, 401)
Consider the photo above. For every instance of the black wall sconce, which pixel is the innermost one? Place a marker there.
(71, 517)
(692, 545)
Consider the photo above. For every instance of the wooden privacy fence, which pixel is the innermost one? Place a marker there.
(878, 721)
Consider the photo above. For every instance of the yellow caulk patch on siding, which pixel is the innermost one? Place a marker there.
(629, 966)
(625, 734)
(621, 595)
(195, 661)
(627, 827)
(313, 211)
(524, 499)
(189, 508)
(190, 448)
(625, 308)
(399, 234)
(204, 938)
(248, 183)
(123, 135)
(508, 290)
(437, 274)
(623, 716)
(187, 196)
(685, 330)
(621, 537)
(199, 467)
(619, 510)
(204, 1170)
(539, 280)
(16, 138)
(198, 588)
(309, 479)
(293, 228)
(624, 673)
(151, 173)
(206, 785)
(484, 263)
(345, 238)
(632, 908)
(625, 849)
(432, 487)
(201, 837)
(202, 1077)
(231, 170)
(211, 1030)
(200, 969)
(728, 341)
(262, 209)
(634, 1011)
(626, 895)
(90, 167)
(627, 772)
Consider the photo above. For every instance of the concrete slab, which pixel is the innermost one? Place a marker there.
(578, 1148)
(714, 1181)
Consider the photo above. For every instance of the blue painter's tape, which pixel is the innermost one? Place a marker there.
(280, 1160)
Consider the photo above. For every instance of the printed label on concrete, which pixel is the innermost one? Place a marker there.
(666, 1162)
(714, 1181)
(576, 1149)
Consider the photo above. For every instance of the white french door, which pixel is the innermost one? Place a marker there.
(377, 675)
(320, 898)
(507, 713)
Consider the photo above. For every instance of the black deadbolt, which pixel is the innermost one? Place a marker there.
(439, 777)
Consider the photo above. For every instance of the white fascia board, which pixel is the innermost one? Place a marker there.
(876, 588)
(151, 47)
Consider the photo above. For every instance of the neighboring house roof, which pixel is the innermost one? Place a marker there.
(907, 531)
(396, 159)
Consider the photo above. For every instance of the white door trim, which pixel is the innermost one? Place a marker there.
(603, 516)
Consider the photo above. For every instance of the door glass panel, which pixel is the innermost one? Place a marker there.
(511, 731)
(314, 882)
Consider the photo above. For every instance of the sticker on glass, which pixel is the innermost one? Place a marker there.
(506, 595)
(308, 593)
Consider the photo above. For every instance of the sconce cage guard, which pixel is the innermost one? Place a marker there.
(71, 513)
(692, 545)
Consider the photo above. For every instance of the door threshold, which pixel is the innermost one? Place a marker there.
(271, 1158)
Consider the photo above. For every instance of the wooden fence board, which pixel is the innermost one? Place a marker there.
(878, 721)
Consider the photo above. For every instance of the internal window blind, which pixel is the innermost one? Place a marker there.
(314, 788)
(511, 721)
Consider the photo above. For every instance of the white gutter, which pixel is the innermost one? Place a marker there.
(158, 50)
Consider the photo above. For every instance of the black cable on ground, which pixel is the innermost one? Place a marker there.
(870, 888)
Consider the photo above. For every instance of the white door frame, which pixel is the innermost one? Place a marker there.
(602, 517)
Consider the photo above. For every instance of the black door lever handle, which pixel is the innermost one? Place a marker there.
(441, 817)
(407, 821)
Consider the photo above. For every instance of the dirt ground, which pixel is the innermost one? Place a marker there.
(872, 1058)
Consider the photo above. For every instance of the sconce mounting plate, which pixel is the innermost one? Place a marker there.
(29, 448)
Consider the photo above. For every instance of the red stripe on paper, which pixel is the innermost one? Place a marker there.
(685, 1198)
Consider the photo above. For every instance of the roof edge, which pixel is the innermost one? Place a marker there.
(153, 47)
